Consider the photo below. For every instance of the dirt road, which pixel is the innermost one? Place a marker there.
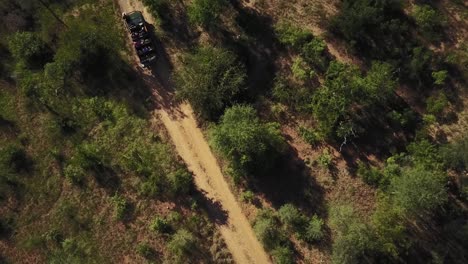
(193, 148)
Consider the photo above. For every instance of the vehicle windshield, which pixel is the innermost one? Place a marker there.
(135, 18)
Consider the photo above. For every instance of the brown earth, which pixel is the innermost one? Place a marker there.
(191, 145)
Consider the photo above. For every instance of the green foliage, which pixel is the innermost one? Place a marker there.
(210, 79)
(314, 53)
(145, 250)
(379, 83)
(160, 225)
(312, 137)
(248, 196)
(429, 20)
(181, 244)
(74, 251)
(389, 225)
(246, 142)
(26, 47)
(157, 7)
(180, 181)
(455, 154)
(13, 159)
(353, 238)
(300, 70)
(290, 35)
(419, 190)
(314, 230)
(419, 66)
(121, 206)
(74, 173)
(371, 175)
(439, 77)
(291, 217)
(325, 160)
(283, 255)
(296, 97)
(205, 12)
(436, 104)
(267, 229)
(374, 28)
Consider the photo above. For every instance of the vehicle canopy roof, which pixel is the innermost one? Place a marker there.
(135, 18)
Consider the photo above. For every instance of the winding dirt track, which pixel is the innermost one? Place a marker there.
(188, 139)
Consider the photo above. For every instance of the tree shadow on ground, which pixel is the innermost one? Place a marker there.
(256, 46)
(290, 181)
(215, 211)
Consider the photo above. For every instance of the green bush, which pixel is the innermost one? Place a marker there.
(429, 20)
(205, 12)
(145, 250)
(181, 244)
(455, 154)
(290, 35)
(439, 77)
(283, 255)
(314, 53)
(121, 206)
(310, 136)
(325, 160)
(371, 175)
(157, 7)
(181, 182)
(436, 104)
(268, 230)
(26, 47)
(353, 239)
(160, 225)
(75, 174)
(210, 79)
(419, 190)
(314, 230)
(300, 70)
(291, 217)
(248, 196)
(247, 143)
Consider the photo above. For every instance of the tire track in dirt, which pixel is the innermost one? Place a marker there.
(181, 125)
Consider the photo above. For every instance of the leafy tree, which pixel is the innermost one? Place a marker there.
(145, 250)
(371, 175)
(439, 77)
(267, 229)
(455, 154)
(210, 80)
(246, 142)
(205, 12)
(419, 190)
(300, 70)
(374, 28)
(26, 47)
(291, 217)
(379, 84)
(314, 53)
(283, 255)
(314, 230)
(429, 20)
(353, 240)
(436, 104)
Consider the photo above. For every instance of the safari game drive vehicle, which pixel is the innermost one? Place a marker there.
(136, 25)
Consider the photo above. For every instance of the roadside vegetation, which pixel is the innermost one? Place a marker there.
(340, 124)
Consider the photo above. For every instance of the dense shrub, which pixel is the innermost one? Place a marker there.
(314, 231)
(27, 48)
(160, 225)
(283, 255)
(291, 217)
(371, 175)
(210, 80)
(121, 206)
(268, 232)
(429, 20)
(292, 36)
(205, 12)
(181, 244)
(250, 145)
(419, 190)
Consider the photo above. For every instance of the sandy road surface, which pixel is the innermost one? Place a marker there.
(193, 148)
